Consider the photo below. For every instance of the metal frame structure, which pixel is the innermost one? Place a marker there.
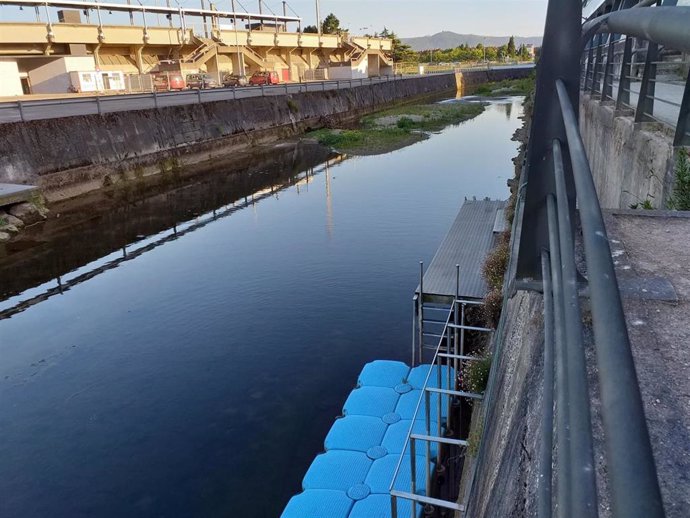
(556, 178)
(451, 349)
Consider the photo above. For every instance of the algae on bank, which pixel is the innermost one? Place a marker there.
(396, 128)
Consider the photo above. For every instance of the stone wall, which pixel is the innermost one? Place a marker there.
(630, 162)
(69, 156)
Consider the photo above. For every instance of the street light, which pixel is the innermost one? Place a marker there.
(318, 17)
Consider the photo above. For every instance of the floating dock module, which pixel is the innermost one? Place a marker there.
(351, 479)
(470, 238)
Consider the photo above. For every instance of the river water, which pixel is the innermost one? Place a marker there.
(185, 355)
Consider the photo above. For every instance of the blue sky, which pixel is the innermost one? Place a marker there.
(422, 17)
(406, 17)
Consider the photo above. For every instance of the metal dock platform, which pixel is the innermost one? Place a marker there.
(470, 238)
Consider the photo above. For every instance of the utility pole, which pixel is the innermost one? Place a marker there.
(318, 17)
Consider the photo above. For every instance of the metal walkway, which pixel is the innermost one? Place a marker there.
(469, 239)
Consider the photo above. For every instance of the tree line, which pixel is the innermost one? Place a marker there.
(402, 52)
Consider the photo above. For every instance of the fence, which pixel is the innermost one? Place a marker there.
(556, 178)
(20, 111)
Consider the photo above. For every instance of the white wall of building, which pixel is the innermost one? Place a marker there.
(10, 84)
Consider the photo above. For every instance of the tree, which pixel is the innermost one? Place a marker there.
(511, 47)
(311, 29)
(330, 25)
(524, 53)
(400, 51)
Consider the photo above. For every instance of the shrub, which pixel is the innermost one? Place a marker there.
(405, 123)
(496, 264)
(491, 310)
(475, 373)
(292, 106)
(680, 199)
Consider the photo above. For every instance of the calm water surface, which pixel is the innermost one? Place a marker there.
(200, 376)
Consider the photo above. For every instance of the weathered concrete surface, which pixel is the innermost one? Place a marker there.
(648, 244)
(630, 162)
(76, 154)
(506, 475)
(470, 78)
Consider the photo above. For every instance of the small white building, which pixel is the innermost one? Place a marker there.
(11, 83)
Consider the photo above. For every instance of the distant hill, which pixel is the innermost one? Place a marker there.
(449, 40)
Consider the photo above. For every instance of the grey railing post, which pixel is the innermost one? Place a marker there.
(682, 137)
(590, 61)
(645, 102)
(607, 89)
(545, 454)
(623, 97)
(155, 99)
(560, 59)
(597, 65)
(198, 95)
(98, 104)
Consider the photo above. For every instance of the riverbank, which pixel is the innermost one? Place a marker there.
(396, 128)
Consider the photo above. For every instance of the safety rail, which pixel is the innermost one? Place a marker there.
(21, 111)
(452, 338)
(649, 79)
(556, 180)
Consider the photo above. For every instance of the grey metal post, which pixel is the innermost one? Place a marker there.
(633, 479)
(583, 486)
(20, 105)
(98, 104)
(560, 59)
(394, 506)
(562, 419)
(155, 99)
(448, 398)
(414, 329)
(682, 136)
(198, 95)
(420, 312)
(645, 102)
(413, 465)
(623, 97)
(439, 401)
(455, 330)
(607, 89)
(545, 454)
(590, 61)
(597, 65)
(263, 92)
(427, 418)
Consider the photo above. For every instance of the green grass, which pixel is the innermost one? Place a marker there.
(523, 86)
(397, 127)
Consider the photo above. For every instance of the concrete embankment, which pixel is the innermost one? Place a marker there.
(70, 156)
(631, 162)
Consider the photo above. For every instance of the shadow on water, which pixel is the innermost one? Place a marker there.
(123, 220)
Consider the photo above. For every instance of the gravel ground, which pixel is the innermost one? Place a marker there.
(651, 245)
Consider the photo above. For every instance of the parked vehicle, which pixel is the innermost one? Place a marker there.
(264, 78)
(166, 81)
(234, 80)
(200, 81)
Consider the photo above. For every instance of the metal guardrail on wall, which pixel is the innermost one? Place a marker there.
(20, 111)
(556, 179)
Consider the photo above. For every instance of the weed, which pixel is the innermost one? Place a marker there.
(680, 199)
(491, 310)
(496, 264)
(405, 123)
(292, 106)
(474, 440)
(475, 373)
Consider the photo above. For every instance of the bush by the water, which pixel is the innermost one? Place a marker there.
(475, 373)
(495, 265)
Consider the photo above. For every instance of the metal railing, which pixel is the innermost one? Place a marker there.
(450, 348)
(644, 77)
(556, 179)
(21, 111)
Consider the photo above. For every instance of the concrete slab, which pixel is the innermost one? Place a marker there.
(13, 193)
(654, 245)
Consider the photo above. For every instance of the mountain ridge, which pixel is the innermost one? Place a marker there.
(449, 40)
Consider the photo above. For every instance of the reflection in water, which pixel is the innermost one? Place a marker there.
(201, 340)
(50, 261)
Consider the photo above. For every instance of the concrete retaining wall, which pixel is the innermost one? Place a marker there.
(73, 155)
(506, 475)
(630, 162)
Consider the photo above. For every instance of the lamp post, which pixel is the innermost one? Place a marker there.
(318, 17)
